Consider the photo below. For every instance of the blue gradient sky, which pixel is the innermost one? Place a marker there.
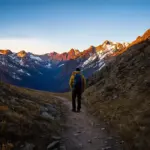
(42, 26)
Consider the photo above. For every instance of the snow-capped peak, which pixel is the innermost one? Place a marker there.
(35, 57)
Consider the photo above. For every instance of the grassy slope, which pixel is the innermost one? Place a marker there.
(120, 94)
(22, 122)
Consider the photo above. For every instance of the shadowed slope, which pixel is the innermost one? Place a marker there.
(120, 93)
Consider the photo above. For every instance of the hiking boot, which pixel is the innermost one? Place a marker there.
(73, 110)
(78, 110)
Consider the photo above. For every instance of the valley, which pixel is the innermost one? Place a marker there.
(51, 72)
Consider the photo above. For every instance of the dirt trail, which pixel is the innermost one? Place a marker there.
(82, 132)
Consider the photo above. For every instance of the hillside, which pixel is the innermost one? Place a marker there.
(120, 94)
(28, 119)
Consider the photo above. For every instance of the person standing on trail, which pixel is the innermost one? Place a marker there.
(77, 84)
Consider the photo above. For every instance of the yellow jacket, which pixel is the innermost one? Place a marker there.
(71, 82)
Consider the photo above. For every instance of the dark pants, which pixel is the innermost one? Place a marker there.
(76, 93)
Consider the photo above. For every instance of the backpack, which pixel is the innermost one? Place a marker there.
(77, 80)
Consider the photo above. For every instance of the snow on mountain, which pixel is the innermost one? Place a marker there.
(61, 65)
(28, 74)
(15, 76)
(21, 70)
(101, 65)
(21, 62)
(49, 65)
(104, 50)
(35, 57)
(89, 60)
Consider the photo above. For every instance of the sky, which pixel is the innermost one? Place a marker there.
(43, 26)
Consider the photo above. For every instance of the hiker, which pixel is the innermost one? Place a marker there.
(77, 84)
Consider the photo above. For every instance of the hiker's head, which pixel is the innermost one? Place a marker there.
(77, 69)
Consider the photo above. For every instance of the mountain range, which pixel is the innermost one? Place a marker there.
(51, 72)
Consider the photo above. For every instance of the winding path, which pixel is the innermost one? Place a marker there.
(82, 132)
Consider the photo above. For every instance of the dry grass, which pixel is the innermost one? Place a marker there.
(22, 122)
(129, 117)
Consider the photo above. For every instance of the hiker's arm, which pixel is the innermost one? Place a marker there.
(71, 81)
